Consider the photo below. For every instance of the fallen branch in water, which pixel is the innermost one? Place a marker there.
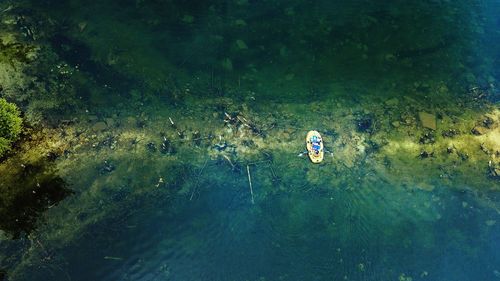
(113, 258)
(250, 183)
(228, 160)
(198, 180)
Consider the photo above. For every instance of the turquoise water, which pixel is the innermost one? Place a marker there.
(371, 232)
(151, 200)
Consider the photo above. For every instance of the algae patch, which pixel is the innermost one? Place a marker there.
(10, 125)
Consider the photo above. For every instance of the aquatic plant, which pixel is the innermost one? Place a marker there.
(10, 125)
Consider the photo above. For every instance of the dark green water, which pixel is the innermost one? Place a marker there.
(305, 224)
(295, 51)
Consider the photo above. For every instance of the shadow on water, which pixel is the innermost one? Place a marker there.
(28, 192)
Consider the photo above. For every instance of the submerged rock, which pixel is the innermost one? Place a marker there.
(365, 124)
(490, 222)
(151, 147)
(220, 146)
(424, 154)
(427, 138)
(107, 167)
(427, 120)
(110, 122)
(494, 169)
(484, 125)
(478, 130)
(241, 44)
(449, 133)
(463, 156)
(488, 122)
(167, 147)
(196, 137)
(392, 102)
(99, 126)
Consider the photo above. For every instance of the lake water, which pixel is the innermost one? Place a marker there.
(141, 211)
(302, 232)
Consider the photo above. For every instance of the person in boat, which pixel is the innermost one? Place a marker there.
(316, 147)
(315, 144)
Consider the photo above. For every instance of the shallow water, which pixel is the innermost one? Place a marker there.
(307, 222)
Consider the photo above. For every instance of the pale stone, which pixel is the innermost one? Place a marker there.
(110, 122)
(427, 120)
(478, 130)
(99, 126)
(390, 57)
(130, 121)
(240, 22)
(490, 222)
(82, 25)
(392, 102)
(227, 64)
(241, 44)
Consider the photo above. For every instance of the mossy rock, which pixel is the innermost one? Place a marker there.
(10, 125)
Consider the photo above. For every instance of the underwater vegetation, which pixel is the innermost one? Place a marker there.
(158, 140)
(10, 125)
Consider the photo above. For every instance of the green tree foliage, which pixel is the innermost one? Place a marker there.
(10, 125)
